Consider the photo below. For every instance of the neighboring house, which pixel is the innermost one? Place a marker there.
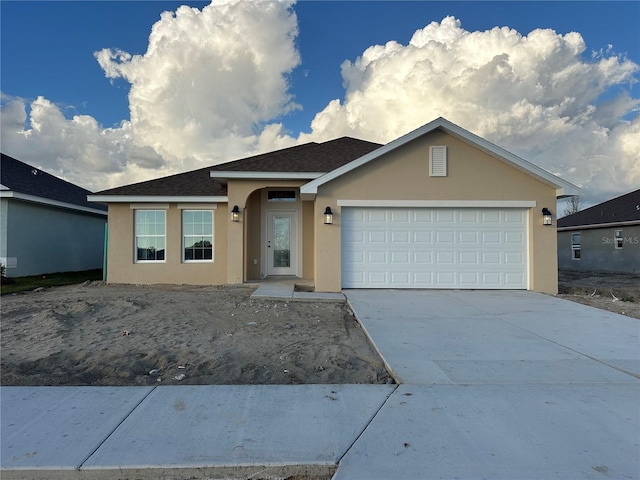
(602, 238)
(437, 208)
(46, 224)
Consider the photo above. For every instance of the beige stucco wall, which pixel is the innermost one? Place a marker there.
(403, 174)
(121, 267)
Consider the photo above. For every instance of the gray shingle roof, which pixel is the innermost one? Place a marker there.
(625, 208)
(22, 178)
(309, 157)
(195, 183)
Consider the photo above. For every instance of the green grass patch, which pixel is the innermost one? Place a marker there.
(24, 284)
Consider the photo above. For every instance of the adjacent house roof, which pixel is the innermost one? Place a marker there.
(22, 181)
(563, 188)
(617, 211)
(306, 161)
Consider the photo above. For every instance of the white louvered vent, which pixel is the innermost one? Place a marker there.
(438, 161)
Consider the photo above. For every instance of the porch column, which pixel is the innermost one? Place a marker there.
(235, 244)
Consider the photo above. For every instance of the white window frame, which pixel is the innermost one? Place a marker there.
(576, 247)
(201, 236)
(137, 236)
(618, 239)
(438, 161)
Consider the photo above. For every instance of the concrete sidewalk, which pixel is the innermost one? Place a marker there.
(286, 291)
(182, 431)
(499, 385)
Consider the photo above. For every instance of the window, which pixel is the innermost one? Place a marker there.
(150, 235)
(618, 241)
(438, 161)
(281, 195)
(575, 246)
(197, 235)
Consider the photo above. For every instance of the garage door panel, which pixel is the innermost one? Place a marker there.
(434, 248)
(445, 237)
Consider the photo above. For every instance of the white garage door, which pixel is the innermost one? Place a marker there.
(434, 248)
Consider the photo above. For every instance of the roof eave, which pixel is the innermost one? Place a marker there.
(224, 176)
(49, 202)
(592, 226)
(156, 199)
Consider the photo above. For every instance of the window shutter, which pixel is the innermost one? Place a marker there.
(438, 161)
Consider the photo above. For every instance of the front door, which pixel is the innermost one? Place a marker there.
(281, 243)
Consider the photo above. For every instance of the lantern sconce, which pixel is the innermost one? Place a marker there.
(235, 214)
(546, 216)
(328, 216)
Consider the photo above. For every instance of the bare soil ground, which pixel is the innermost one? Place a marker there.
(97, 334)
(619, 293)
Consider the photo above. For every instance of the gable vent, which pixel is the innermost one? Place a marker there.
(438, 161)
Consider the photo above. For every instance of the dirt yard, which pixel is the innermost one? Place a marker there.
(619, 293)
(96, 334)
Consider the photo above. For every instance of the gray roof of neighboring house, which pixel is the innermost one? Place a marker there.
(309, 157)
(25, 179)
(625, 208)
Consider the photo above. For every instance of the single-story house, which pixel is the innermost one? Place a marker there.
(46, 223)
(437, 208)
(602, 238)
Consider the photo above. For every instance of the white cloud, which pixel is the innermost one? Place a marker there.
(205, 91)
(213, 85)
(209, 77)
(534, 95)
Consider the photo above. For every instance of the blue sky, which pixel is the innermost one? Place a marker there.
(47, 46)
(47, 49)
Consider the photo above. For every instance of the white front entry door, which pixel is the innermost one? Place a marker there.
(282, 241)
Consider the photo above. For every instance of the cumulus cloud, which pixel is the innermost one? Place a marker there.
(213, 85)
(210, 77)
(535, 95)
(77, 149)
(207, 89)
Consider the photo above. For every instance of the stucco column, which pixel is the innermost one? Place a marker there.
(235, 250)
(328, 256)
(235, 245)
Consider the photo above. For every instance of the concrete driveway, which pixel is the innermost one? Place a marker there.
(501, 385)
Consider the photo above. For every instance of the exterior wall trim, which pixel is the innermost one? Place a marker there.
(48, 201)
(146, 206)
(439, 203)
(203, 206)
(154, 199)
(630, 223)
(266, 175)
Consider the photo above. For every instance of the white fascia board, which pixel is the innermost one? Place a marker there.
(266, 175)
(50, 202)
(154, 199)
(439, 203)
(563, 188)
(2, 187)
(629, 223)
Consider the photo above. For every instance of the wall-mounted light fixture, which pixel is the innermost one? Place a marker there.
(235, 214)
(328, 216)
(546, 216)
